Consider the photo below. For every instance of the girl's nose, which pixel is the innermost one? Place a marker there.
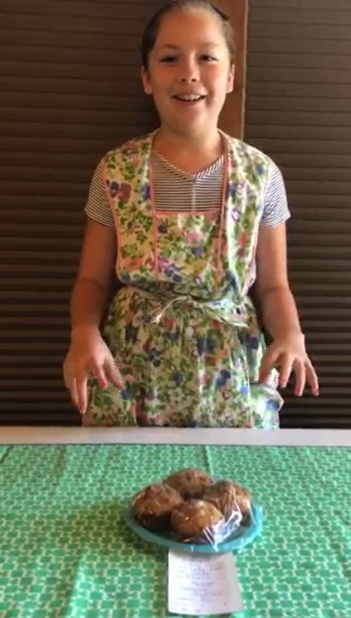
(188, 72)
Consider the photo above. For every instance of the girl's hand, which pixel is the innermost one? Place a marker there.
(88, 357)
(288, 354)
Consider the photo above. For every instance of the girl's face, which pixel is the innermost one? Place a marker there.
(189, 73)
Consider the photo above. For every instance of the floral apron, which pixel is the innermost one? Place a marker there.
(182, 329)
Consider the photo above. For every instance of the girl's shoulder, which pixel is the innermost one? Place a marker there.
(254, 163)
(132, 148)
(244, 149)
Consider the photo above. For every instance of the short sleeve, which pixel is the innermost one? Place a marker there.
(275, 207)
(97, 206)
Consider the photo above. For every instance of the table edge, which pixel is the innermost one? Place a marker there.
(13, 435)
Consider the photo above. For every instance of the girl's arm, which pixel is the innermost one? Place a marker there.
(279, 313)
(88, 354)
(96, 273)
(276, 301)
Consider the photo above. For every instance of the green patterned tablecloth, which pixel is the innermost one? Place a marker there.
(66, 553)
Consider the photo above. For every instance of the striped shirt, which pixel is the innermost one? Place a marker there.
(178, 191)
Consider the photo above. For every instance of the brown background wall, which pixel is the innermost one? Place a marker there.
(298, 109)
(69, 80)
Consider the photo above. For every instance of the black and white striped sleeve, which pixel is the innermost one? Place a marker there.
(275, 207)
(97, 206)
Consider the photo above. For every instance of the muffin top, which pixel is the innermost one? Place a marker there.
(196, 519)
(156, 499)
(190, 482)
(228, 497)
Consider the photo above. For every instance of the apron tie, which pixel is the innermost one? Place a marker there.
(220, 310)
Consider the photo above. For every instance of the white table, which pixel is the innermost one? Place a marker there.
(150, 435)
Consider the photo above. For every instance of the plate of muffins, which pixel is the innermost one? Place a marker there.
(192, 511)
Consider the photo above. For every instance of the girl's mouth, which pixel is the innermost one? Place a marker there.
(189, 98)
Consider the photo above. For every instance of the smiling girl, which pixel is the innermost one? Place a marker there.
(187, 219)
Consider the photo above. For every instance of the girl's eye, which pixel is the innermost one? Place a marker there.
(168, 59)
(208, 58)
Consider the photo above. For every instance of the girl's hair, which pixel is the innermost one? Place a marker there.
(151, 31)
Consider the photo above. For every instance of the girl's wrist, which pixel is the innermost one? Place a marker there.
(80, 331)
(288, 333)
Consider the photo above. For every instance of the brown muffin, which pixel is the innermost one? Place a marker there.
(152, 506)
(227, 497)
(189, 482)
(196, 521)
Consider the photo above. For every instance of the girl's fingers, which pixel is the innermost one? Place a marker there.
(312, 379)
(285, 370)
(82, 393)
(300, 375)
(97, 371)
(114, 375)
(268, 363)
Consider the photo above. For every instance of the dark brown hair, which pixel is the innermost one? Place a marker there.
(151, 31)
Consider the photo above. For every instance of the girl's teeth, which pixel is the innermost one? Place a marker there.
(190, 98)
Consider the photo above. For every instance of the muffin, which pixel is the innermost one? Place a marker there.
(189, 482)
(228, 498)
(196, 521)
(152, 506)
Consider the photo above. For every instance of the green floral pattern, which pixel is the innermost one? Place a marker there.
(65, 551)
(183, 329)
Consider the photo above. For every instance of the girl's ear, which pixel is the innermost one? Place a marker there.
(146, 81)
(231, 78)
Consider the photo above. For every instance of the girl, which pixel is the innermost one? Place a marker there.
(187, 219)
